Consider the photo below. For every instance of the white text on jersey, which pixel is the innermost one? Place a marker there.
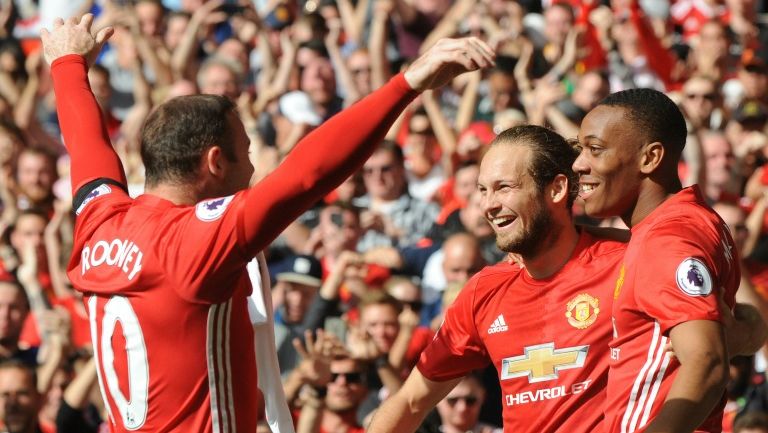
(498, 325)
(123, 254)
(526, 397)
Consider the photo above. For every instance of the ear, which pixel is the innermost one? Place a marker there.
(651, 157)
(558, 189)
(213, 161)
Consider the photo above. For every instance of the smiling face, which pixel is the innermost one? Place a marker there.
(511, 201)
(608, 168)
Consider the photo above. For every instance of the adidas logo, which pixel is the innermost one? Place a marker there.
(498, 325)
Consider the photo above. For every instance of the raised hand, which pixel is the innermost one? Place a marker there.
(316, 355)
(74, 37)
(447, 59)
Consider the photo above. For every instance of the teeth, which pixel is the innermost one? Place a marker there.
(499, 221)
(586, 188)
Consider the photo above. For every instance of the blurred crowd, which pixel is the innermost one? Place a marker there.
(361, 280)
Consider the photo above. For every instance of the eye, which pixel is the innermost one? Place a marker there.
(594, 150)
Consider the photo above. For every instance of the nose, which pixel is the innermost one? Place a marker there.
(488, 203)
(580, 165)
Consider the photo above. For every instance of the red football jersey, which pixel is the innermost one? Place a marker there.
(548, 339)
(680, 258)
(166, 292)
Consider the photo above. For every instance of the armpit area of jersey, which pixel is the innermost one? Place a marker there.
(82, 194)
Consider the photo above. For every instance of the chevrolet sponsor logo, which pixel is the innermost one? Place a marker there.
(543, 362)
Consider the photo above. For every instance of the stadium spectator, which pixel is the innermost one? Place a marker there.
(19, 399)
(14, 309)
(460, 409)
(35, 175)
(392, 217)
(297, 285)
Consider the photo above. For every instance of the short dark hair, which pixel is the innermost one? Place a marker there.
(392, 147)
(551, 155)
(178, 132)
(653, 115)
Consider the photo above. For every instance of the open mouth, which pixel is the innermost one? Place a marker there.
(586, 189)
(502, 222)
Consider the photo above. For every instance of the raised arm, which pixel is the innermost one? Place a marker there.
(332, 152)
(69, 49)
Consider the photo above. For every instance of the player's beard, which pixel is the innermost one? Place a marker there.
(531, 239)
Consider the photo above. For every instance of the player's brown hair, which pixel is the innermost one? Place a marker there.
(550, 155)
(177, 133)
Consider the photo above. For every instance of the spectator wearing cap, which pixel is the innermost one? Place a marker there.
(298, 279)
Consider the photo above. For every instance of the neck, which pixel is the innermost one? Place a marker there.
(380, 201)
(178, 195)
(649, 199)
(337, 422)
(554, 252)
(448, 428)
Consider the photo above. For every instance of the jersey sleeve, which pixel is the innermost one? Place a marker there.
(456, 348)
(320, 162)
(97, 202)
(681, 275)
(82, 125)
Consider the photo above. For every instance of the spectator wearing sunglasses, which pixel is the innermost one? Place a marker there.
(460, 409)
(701, 103)
(346, 392)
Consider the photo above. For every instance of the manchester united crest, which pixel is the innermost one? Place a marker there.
(582, 311)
